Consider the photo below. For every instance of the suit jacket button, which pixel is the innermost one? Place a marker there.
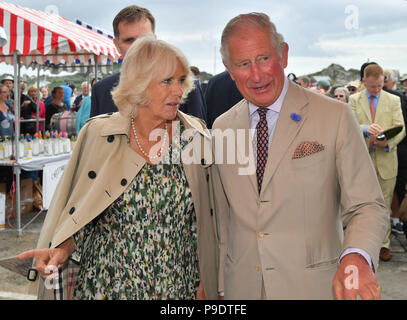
(123, 182)
(110, 139)
(72, 211)
(92, 174)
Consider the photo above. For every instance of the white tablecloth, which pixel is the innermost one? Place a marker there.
(36, 163)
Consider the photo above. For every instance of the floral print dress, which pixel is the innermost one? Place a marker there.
(144, 246)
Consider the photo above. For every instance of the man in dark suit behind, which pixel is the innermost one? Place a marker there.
(221, 94)
(401, 181)
(128, 25)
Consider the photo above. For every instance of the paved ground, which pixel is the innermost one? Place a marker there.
(392, 275)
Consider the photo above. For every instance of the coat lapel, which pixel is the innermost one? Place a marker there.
(286, 129)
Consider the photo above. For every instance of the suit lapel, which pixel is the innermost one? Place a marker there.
(286, 129)
(242, 121)
(380, 105)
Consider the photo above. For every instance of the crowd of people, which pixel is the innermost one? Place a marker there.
(139, 219)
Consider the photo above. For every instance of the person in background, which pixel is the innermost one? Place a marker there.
(128, 25)
(341, 94)
(323, 86)
(44, 94)
(83, 114)
(68, 93)
(304, 82)
(74, 93)
(196, 72)
(292, 77)
(6, 115)
(32, 93)
(78, 100)
(376, 110)
(403, 82)
(401, 180)
(28, 107)
(6, 129)
(143, 227)
(56, 106)
(353, 86)
(221, 95)
(9, 82)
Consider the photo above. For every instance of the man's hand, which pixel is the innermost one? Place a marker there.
(382, 143)
(355, 277)
(374, 129)
(200, 294)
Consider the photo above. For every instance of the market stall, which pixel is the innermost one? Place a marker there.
(39, 40)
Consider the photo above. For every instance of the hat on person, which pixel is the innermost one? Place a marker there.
(7, 78)
(324, 84)
(403, 78)
(354, 83)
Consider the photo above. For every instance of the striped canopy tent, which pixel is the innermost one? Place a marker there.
(42, 38)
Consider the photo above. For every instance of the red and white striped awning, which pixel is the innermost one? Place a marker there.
(43, 37)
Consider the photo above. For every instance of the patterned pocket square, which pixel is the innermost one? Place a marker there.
(307, 148)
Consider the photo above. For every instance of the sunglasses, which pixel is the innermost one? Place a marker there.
(352, 89)
(339, 96)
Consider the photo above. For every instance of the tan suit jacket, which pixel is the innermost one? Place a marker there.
(388, 114)
(103, 148)
(291, 235)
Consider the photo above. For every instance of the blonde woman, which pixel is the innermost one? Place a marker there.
(141, 224)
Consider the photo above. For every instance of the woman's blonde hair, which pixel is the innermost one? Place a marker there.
(147, 60)
(32, 88)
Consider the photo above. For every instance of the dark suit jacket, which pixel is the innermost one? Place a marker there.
(102, 101)
(221, 94)
(402, 146)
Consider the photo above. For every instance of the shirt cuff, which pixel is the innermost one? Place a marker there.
(221, 294)
(362, 252)
(365, 131)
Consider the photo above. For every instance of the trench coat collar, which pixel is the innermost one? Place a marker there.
(120, 124)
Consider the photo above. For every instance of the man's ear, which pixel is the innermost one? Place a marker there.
(284, 58)
(116, 44)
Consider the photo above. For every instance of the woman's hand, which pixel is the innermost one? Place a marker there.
(200, 294)
(49, 259)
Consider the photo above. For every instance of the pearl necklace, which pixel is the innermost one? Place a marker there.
(155, 157)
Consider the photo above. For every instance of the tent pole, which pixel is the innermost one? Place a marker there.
(38, 99)
(96, 66)
(17, 170)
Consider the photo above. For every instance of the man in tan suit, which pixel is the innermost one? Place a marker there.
(378, 110)
(280, 224)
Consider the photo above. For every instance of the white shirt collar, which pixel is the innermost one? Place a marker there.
(276, 106)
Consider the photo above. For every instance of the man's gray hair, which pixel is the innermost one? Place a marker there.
(250, 20)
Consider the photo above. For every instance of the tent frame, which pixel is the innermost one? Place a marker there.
(15, 165)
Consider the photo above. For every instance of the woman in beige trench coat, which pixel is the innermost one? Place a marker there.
(134, 201)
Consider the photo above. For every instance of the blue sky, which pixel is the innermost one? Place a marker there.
(319, 32)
